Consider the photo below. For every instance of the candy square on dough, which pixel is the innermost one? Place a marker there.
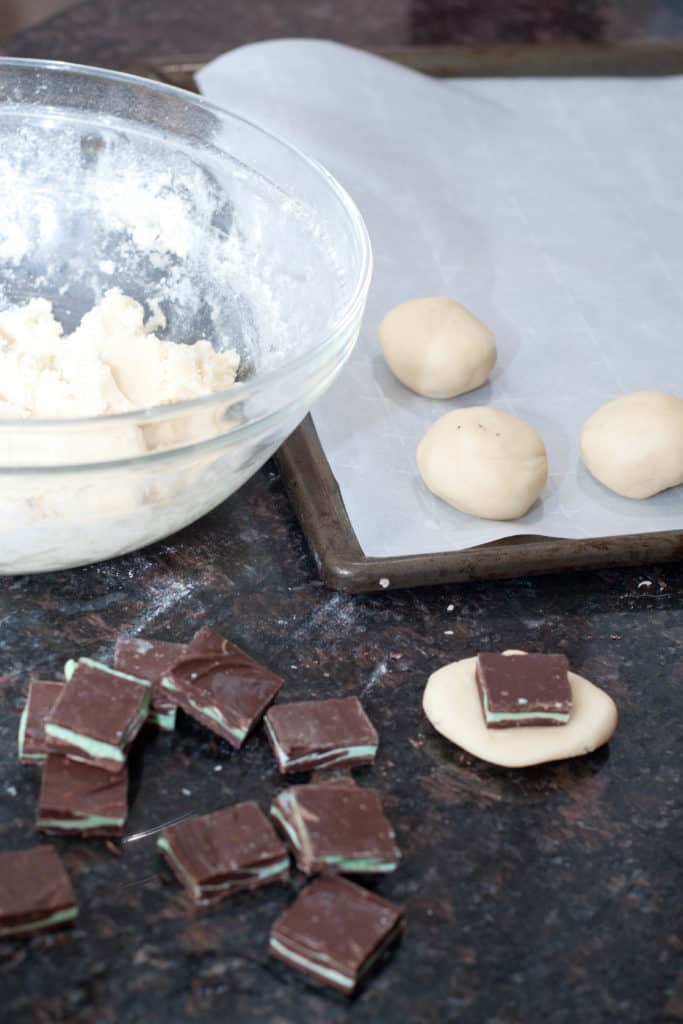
(524, 689)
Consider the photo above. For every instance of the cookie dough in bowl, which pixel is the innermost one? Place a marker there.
(436, 347)
(122, 195)
(484, 461)
(112, 363)
(634, 444)
(452, 704)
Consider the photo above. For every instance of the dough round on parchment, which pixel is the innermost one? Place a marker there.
(452, 704)
(436, 347)
(484, 461)
(634, 444)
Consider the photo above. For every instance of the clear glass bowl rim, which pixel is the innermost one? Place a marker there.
(241, 390)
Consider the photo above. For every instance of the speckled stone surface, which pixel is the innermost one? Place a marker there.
(117, 33)
(547, 894)
(551, 894)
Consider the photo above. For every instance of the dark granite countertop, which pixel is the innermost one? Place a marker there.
(117, 33)
(551, 894)
(546, 894)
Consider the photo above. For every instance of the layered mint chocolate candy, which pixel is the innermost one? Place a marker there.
(35, 892)
(217, 854)
(312, 734)
(42, 697)
(98, 714)
(77, 799)
(151, 660)
(524, 689)
(221, 686)
(334, 931)
(336, 827)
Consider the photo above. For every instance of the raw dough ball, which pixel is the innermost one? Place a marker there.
(484, 461)
(451, 703)
(634, 444)
(436, 347)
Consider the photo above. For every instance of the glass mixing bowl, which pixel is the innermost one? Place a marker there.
(111, 180)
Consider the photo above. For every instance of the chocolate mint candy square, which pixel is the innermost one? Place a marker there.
(42, 697)
(320, 733)
(151, 660)
(77, 799)
(334, 931)
(221, 853)
(98, 715)
(219, 685)
(35, 892)
(336, 827)
(524, 689)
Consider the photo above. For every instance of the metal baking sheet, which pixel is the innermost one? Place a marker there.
(341, 559)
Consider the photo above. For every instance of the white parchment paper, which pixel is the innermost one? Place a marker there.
(553, 209)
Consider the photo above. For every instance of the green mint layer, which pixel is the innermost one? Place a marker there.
(501, 716)
(265, 872)
(163, 844)
(136, 724)
(280, 755)
(310, 965)
(197, 890)
(287, 826)
(95, 749)
(80, 824)
(165, 720)
(330, 757)
(36, 758)
(355, 864)
(214, 713)
(209, 711)
(271, 869)
(22, 735)
(70, 668)
(59, 917)
(516, 716)
(361, 864)
(297, 829)
(112, 671)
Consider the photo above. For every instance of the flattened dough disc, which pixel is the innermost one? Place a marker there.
(451, 703)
